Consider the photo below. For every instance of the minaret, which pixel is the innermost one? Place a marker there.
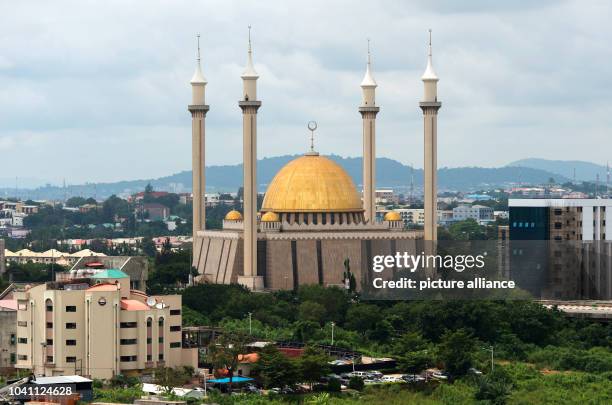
(249, 105)
(368, 110)
(430, 106)
(198, 109)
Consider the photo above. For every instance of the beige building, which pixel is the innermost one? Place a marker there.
(97, 327)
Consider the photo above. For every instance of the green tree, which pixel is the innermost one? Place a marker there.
(274, 369)
(313, 365)
(456, 351)
(362, 317)
(311, 311)
(414, 353)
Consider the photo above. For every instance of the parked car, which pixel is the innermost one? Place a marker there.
(474, 371)
(413, 378)
(439, 375)
(361, 374)
(374, 374)
(391, 379)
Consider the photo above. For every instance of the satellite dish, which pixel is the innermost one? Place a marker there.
(151, 301)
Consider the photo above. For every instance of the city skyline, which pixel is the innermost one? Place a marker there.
(95, 98)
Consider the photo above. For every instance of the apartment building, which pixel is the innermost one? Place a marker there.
(97, 327)
(8, 336)
(480, 213)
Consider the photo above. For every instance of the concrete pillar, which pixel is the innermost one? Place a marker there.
(198, 164)
(430, 126)
(368, 115)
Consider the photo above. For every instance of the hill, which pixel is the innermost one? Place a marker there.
(585, 171)
(389, 173)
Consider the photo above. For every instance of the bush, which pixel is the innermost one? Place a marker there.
(333, 385)
(356, 383)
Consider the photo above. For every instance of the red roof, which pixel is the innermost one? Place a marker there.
(290, 352)
(133, 305)
(9, 304)
(103, 287)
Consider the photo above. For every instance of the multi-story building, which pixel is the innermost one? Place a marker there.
(568, 242)
(97, 327)
(8, 336)
(480, 213)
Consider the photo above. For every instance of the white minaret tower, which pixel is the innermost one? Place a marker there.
(249, 105)
(430, 106)
(198, 109)
(368, 110)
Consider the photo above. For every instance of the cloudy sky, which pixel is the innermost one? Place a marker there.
(98, 90)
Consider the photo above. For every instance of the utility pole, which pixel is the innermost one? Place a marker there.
(332, 333)
(250, 323)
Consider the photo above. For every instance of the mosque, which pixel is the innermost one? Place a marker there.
(312, 218)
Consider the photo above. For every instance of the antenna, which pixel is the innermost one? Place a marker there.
(411, 184)
(198, 38)
(429, 42)
(312, 126)
(369, 58)
(249, 38)
(607, 180)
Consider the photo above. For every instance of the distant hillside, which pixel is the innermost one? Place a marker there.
(389, 173)
(585, 171)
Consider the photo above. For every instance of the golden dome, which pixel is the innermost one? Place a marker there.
(312, 183)
(270, 217)
(233, 215)
(393, 216)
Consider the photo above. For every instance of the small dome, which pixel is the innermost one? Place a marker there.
(270, 217)
(233, 215)
(393, 216)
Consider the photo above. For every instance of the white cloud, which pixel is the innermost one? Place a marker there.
(102, 87)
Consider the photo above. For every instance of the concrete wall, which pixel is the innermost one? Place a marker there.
(8, 340)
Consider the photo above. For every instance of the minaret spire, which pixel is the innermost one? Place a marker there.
(249, 106)
(198, 77)
(368, 111)
(430, 106)
(198, 110)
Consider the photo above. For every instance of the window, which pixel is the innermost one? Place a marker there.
(149, 340)
(161, 322)
(175, 344)
(49, 308)
(128, 325)
(70, 342)
(149, 357)
(558, 211)
(70, 325)
(22, 323)
(22, 357)
(175, 328)
(22, 340)
(128, 358)
(49, 359)
(161, 340)
(70, 308)
(558, 225)
(128, 341)
(70, 359)
(49, 342)
(161, 356)
(13, 358)
(22, 305)
(175, 312)
(49, 325)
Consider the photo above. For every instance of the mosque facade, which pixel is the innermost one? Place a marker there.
(313, 221)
